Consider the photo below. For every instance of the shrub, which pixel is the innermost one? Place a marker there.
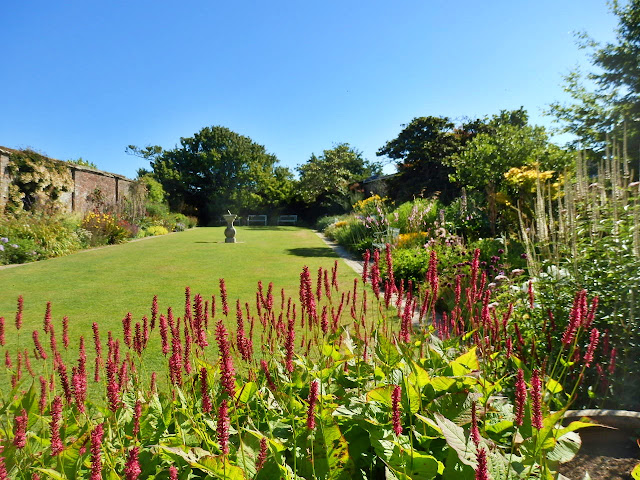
(155, 230)
(417, 216)
(38, 236)
(105, 229)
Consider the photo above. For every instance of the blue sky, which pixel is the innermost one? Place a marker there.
(86, 78)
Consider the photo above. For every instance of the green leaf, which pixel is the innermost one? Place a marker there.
(466, 362)
(456, 439)
(380, 394)
(565, 449)
(553, 386)
(331, 460)
(50, 473)
(247, 392)
(442, 384)
(387, 352)
(219, 467)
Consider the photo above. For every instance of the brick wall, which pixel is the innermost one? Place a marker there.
(113, 188)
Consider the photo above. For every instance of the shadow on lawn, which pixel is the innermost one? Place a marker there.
(312, 252)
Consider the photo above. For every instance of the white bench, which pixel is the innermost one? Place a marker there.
(259, 219)
(390, 236)
(288, 219)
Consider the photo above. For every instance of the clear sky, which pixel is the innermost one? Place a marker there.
(87, 78)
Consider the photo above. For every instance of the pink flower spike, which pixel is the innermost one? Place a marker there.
(96, 460)
(223, 427)
(593, 343)
(20, 429)
(521, 397)
(132, 468)
(313, 398)
(536, 400)
(396, 395)
(482, 472)
(56, 421)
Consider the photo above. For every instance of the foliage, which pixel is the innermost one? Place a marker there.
(216, 170)
(83, 163)
(38, 236)
(353, 233)
(154, 230)
(488, 157)
(416, 216)
(105, 228)
(325, 180)
(588, 238)
(607, 106)
(365, 399)
(38, 181)
(420, 151)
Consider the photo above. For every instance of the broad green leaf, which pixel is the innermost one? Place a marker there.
(413, 397)
(442, 384)
(573, 426)
(50, 473)
(553, 386)
(247, 392)
(456, 439)
(418, 376)
(387, 352)
(219, 467)
(331, 460)
(380, 394)
(565, 449)
(468, 360)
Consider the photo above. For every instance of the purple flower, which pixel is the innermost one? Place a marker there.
(1, 248)
(14, 245)
(4, 240)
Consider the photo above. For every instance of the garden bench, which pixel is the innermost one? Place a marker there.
(289, 219)
(390, 236)
(259, 219)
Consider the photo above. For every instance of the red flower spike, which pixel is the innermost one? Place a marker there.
(396, 395)
(521, 397)
(223, 427)
(96, 460)
(132, 468)
(56, 422)
(313, 398)
(536, 400)
(482, 471)
(20, 429)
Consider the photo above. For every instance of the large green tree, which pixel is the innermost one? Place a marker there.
(218, 170)
(327, 181)
(605, 103)
(507, 142)
(421, 152)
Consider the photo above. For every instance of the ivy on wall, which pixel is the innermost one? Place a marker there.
(36, 180)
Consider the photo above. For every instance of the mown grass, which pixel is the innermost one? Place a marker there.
(102, 285)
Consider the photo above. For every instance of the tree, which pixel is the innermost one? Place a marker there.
(420, 151)
(218, 170)
(326, 180)
(509, 142)
(611, 109)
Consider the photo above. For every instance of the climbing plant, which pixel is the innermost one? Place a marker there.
(36, 180)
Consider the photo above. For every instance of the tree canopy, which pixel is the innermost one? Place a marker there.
(325, 180)
(422, 151)
(218, 170)
(605, 103)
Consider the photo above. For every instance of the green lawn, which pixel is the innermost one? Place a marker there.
(104, 284)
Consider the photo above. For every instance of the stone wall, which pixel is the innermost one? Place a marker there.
(87, 181)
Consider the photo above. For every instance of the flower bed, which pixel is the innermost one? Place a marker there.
(331, 382)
